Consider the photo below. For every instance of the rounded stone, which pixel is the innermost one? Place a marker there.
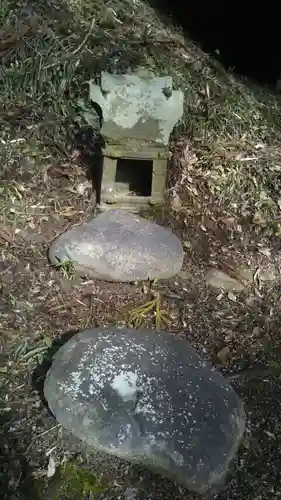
(147, 397)
(120, 246)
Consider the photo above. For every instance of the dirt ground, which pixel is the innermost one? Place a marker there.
(222, 201)
(40, 304)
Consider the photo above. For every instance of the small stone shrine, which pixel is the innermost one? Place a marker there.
(139, 112)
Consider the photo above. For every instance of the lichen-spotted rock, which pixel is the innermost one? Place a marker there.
(120, 246)
(147, 397)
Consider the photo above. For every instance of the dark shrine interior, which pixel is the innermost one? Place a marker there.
(137, 174)
(244, 36)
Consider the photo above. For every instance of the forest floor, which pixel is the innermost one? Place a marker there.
(222, 201)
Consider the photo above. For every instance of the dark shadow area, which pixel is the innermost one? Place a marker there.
(243, 36)
(136, 174)
(16, 479)
(89, 145)
(262, 402)
(40, 372)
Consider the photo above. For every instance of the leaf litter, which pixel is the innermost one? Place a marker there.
(222, 200)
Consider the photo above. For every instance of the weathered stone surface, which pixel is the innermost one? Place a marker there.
(147, 397)
(119, 246)
(136, 106)
(222, 281)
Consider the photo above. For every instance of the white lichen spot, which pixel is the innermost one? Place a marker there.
(75, 384)
(200, 465)
(177, 458)
(125, 433)
(151, 439)
(125, 384)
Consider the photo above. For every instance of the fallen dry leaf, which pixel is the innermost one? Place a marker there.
(51, 467)
(5, 235)
(265, 251)
(232, 296)
(176, 203)
(222, 355)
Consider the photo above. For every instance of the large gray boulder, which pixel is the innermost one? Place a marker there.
(147, 397)
(120, 246)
